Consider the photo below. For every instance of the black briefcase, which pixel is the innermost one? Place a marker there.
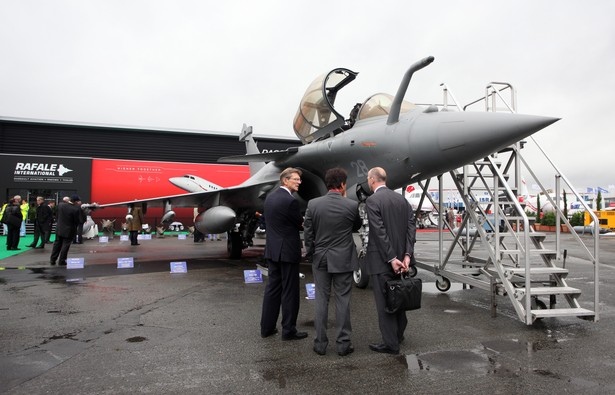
(403, 293)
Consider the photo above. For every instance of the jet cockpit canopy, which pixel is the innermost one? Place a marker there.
(316, 117)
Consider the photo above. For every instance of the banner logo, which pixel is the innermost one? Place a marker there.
(41, 172)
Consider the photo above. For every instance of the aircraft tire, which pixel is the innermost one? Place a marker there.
(361, 280)
(233, 245)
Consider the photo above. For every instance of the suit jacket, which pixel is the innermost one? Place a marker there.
(328, 226)
(44, 216)
(392, 230)
(283, 222)
(69, 217)
(137, 219)
(12, 215)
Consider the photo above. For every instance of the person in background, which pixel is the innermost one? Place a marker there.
(5, 229)
(42, 226)
(51, 220)
(198, 235)
(70, 215)
(13, 217)
(25, 208)
(135, 225)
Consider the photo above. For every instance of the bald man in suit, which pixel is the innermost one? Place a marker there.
(392, 234)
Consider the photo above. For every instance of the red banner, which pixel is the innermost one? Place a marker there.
(122, 180)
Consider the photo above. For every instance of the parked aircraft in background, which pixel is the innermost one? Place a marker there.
(191, 183)
(410, 142)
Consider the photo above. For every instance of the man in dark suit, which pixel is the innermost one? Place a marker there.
(70, 215)
(392, 234)
(329, 223)
(42, 225)
(283, 253)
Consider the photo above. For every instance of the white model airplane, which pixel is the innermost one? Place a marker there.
(192, 183)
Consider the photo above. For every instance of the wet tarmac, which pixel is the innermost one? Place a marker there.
(104, 330)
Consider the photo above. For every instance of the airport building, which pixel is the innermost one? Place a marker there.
(108, 164)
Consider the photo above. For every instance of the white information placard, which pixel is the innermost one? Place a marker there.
(125, 263)
(179, 267)
(103, 239)
(123, 237)
(252, 276)
(75, 263)
(181, 236)
(310, 288)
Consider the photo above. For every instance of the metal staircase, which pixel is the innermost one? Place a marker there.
(500, 250)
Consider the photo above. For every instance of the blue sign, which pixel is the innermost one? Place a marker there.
(179, 267)
(310, 288)
(252, 276)
(125, 263)
(103, 239)
(75, 263)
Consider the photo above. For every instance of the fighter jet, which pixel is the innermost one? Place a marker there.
(412, 143)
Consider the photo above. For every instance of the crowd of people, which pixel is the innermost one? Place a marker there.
(328, 227)
(68, 217)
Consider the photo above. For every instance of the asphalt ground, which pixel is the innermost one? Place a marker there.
(104, 330)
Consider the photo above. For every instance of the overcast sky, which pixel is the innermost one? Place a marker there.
(214, 65)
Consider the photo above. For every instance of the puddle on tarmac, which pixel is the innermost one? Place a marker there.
(2, 280)
(480, 360)
(471, 362)
(61, 279)
(136, 339)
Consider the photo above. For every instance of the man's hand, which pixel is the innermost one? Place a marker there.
(407, 259)
(399, 266)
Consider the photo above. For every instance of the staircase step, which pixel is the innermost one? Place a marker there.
(533, 235)
(520, 271)
(569, 312)
(532, 251)
(552, 291)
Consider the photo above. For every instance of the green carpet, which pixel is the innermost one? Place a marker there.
(23, 242)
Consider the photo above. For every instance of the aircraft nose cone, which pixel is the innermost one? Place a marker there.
(485, 133)
(464, 137)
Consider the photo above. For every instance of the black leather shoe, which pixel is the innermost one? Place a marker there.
(30, 245)
(348, 350)
(295, 336)
(320, 352)
(52, 263)
(62, 263)
(270, 333)
(383, 349)
(39, 247)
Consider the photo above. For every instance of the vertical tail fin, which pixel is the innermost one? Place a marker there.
(251, 148)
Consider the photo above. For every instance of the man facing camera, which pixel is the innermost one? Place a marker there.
(283, 253)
